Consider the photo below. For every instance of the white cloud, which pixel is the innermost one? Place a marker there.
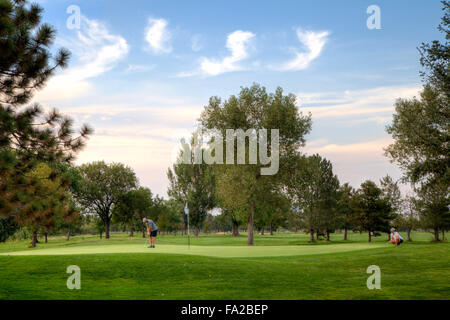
(237, 44)
(137, 68)
(167, 115)
(158, 36)
(359, 161)
(97, 50)
(313, 43)
(149, 157)
(372, 103)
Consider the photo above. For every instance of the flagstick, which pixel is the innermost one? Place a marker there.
(189, 235)
(186, 212)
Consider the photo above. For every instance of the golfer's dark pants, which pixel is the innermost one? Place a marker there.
(153, 234)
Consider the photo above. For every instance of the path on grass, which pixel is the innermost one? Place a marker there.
(211, 251)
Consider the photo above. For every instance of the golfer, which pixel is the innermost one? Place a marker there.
(396, 238)
(152, 231)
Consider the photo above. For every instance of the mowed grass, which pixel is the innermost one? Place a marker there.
(283, 266)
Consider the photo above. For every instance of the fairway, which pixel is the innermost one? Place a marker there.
(283, 266)
(211, 251)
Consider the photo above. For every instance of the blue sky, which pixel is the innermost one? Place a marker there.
(141, 72)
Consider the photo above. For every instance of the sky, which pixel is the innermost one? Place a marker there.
(141, 72)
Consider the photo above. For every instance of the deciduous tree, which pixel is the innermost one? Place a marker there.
(103, 185)
(255, 109)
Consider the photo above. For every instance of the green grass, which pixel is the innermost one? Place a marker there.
(283, 266)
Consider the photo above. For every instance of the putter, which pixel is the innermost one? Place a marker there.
(145, 244)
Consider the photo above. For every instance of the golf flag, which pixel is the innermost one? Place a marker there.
(298, 210)
(186, 210)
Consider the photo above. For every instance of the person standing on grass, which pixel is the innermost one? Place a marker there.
(152, 231)
(396, 238)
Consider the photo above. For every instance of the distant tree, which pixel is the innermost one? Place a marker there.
(391, 192)
(434, 209)
(329, 218)
(408, 219)
(71, 223)
(233, 215)
(168, 214)
(224, 223)
(345, 208)
(236, 217)
(159, 208)
(273, 209)
(99, 226)
(373, 210)
(103, 185)
(295, 220)
(313, 187)
(193, 184)
(132, 207)
(209, 224)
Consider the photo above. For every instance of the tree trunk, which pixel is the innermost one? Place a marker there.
(235, 229)
(328, 235)
(370, 236)
(46, 237)
(68, 236)
(262, 231)
(101, 235)
(34, 239)
(131, 233)
(271, 230)
(436, 234)
(311, 232)
(443, 235)
(296, 230)
(196, 231)
(107, 224)
(317, 235)
(409, 234)
(143, 232)
(250, 225)
(345, 234)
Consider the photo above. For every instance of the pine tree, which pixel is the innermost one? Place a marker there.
(28, 136)
(373, 210)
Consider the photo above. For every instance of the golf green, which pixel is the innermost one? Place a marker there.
(211, 251)
(282, 266)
